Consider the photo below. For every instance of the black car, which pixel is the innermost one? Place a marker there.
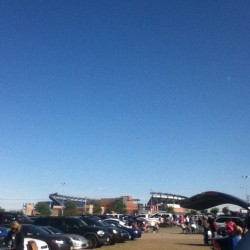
(134, 233)
(116, 234)
(54, 241)
(96, 236)
(126, 234)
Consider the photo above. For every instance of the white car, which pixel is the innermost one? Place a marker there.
(41, 245)
(153, 221)
(117, 220)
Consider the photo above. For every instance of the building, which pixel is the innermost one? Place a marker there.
(85, 205)
(130, 205)
(159, 201)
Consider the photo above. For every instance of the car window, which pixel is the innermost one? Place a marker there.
(86, 220)
(112, 223)
(74, 223)
(23, 218)
(225, 219)
(96, 223)
(42, 221)
(220, 220)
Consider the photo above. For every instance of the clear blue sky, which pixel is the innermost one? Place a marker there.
(123, 98)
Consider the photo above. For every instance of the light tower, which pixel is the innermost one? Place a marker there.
(245, 177)
(63, 184)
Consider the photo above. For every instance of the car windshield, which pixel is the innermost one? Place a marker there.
(52, 230)
(104, 223)
(34, 230)
(99, 223)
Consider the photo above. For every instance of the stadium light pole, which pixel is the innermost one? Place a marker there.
(243, 187)
(245, 177)
(63, 184)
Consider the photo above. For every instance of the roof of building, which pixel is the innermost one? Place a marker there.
(165, 198)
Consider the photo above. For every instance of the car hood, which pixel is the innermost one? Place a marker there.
(211, 199)
(80, 237)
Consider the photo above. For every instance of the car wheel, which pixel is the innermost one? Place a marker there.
(92, 241)
(109, 242)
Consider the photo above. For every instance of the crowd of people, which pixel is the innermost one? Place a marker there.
(223, 239)
(145, 226)
(230, 236)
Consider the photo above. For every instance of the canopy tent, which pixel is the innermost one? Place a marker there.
(211, 199)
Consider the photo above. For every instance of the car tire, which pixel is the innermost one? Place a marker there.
(92, 241)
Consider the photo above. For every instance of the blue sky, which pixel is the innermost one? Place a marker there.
(123, 98)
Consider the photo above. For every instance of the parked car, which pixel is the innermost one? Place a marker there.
(3, 232)
(54, 241)
(96, 236)
(126, 234)
(134, 233)
(79, 242)
(41, 245)
(8, 217)
(152, 220)
(221, 222)
(116, 234)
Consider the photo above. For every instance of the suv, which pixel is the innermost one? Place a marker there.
(96, 236)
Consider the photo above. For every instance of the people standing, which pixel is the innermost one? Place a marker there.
(213, 227)
(15, 238)
(237, 235)
(206, 229)
(192, 224)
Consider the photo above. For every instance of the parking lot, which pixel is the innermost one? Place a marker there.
(166, 238)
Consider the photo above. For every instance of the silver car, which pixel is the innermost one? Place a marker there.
(79, 242)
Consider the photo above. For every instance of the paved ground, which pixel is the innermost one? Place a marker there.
(165, 239)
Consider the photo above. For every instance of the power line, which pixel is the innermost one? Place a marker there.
(19, 199)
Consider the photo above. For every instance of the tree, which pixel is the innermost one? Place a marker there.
(225, 210)
(120, 208)
(97, 208)
(43, 209)
(170, 210)
(193, 212)
(108, 211)
(214, 211)
(70, 208)
(205, 211)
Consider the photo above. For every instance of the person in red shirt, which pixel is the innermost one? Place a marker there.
(229, 227)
